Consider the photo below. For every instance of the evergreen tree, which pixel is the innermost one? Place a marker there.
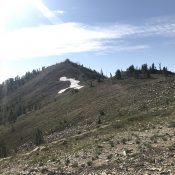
(118, 74)
(165, 71)
(38, 137)
(153, 69)
(130, 71)
(145, 71)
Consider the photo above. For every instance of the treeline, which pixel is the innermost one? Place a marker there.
(12, 84)
(144, 71)
(9, 111)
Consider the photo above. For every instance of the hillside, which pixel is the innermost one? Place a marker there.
(113, 126)
(40, 90)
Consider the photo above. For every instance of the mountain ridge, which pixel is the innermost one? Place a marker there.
(108, 124)
(46, 84)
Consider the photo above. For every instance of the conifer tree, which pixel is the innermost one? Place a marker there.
(145, 71)
(165, 71)
(130, 71)
(38, 137)
(118, 74)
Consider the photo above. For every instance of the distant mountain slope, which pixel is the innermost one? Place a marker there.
(42, 88)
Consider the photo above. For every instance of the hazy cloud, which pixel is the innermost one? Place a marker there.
(60, 39)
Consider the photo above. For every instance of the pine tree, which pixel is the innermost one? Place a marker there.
(118, 74)
(38, 137)
(153, 68)
(145, 71)
(165, 71)
(130, 71)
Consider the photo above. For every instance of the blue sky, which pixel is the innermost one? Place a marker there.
(107, 34)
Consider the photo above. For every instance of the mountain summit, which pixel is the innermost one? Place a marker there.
(35, 89)
(121, 125)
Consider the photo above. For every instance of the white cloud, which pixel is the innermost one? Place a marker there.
(52, 14)
(126, 47)
(59, 12)
(66, 38)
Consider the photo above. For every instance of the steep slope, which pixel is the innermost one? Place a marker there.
(44, 87)
(109, 127)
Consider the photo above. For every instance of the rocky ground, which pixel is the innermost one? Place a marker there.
(148, 150)
(140, 139)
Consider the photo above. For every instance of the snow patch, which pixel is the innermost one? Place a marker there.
(73, 84)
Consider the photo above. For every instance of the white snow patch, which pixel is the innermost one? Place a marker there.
(73, 84)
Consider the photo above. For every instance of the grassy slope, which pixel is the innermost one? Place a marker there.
(129, 106)
(44, 87)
